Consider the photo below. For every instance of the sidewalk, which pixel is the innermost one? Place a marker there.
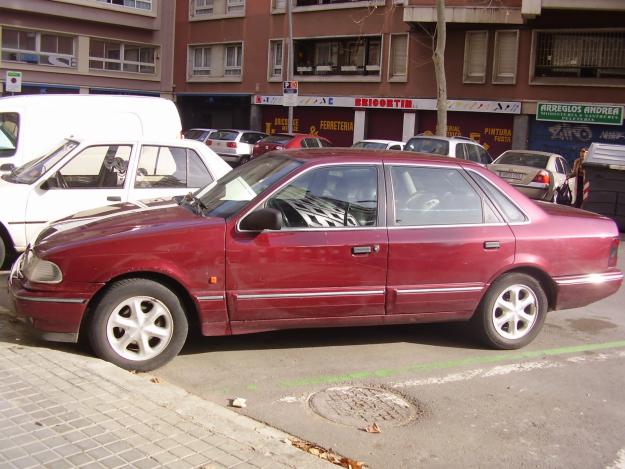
(62, 409)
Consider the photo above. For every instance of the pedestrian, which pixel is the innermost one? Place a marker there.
(578, 171)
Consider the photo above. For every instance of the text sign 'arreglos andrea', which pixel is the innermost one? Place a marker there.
(582, 113)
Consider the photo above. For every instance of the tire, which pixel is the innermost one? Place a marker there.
(3, 251)
(244, 159)
(114, 318)
(504, 325)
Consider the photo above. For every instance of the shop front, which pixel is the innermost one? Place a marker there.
(566, 128)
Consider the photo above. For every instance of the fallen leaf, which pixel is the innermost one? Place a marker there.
(155, 380)
(373, 428)
(351, 463)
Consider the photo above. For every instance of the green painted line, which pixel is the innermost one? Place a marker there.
(447, 364)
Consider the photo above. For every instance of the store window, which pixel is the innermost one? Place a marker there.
(577, 56)
(475, 50)
(275, 59)
(358, 56)
(505, 57)
(38, 48)
(114, 56)
(399, 56)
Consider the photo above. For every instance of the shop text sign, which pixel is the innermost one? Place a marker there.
(582, 113)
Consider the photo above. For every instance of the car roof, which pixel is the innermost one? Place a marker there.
(374, 140)
(531, 152)
(350, 155)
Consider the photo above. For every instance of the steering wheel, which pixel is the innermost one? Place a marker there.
(431, 204)
(60, 180)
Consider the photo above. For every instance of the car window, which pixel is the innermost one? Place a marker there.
(523, 159)
(279, 139)
(198, 175)
(509, 210)
(565, 165)
(100, 166)
(251, 137)
(461, 151)
(395, 147)
(325, 143)
(330, 197)
(311, 143)
(473, 153)
(9, 133)
(224, 135)
(434, 196)
(428, 145)
(162, 167)
(559, 166)
(482, 155)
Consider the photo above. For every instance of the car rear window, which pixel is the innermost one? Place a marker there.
(196, 134)
(523, 159)
(428, 145)
(375, 145)
(224, 135)
(279, 139)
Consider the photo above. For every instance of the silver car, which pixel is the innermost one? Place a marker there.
(234, 146)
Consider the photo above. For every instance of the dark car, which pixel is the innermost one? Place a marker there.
(316, 238)
(289, 141)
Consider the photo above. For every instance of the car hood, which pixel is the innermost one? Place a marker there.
(115, 222)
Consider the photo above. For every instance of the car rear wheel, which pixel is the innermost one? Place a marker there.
(512, 312)
(3, 251)
(244, 159)
(138, 324)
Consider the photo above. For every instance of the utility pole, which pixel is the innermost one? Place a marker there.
(439, 68)
(289, 69)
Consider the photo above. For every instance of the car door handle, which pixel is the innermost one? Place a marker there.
(491, 245)
(356, 250)
(114, 198)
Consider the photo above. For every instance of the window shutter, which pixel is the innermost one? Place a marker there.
(505, 59)
(399, 55)
(475, 49)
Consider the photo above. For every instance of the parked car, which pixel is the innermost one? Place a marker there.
(201, 135)
(87, 173)
(323, 237)
(285, 141)
(34, 123)
(235, 146)
(380, 144)
(456, 147)
(537, 174)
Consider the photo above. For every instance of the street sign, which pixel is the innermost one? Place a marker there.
(290, 93)
(13, 81)
(580, 113)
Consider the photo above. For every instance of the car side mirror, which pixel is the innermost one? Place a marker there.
(262, 219)
(7, 167)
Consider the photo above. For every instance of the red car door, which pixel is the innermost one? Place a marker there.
(327, 263)
(446, 242)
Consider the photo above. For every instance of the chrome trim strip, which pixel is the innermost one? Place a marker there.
(590, 278)
(440, 290)
(27, 222)
(309, 295)
(210, 297)
(419, 227)
(50, 300)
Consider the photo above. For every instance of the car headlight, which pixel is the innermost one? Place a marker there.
(40, 271)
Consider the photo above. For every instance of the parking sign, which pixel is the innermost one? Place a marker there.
(289, 93)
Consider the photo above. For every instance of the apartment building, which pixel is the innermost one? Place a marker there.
(542, 74)
(88, 46)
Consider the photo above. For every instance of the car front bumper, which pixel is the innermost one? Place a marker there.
(55, 314)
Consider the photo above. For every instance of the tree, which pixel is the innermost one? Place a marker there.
(439, 69)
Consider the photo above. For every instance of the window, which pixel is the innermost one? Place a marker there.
(275, 58)
(201, 61)
(9, 133)
(399, 55)
(477, 154)
(139, 4)
(598, 56)
(170, 167)
(235, 6)
(434, 196)
(38, 48)
(218, 8)
(233, 60)
(505, 57)
(345, 56)
(475, 50)
(203, 7)
(102, 166)
(104, 55)
(331, 197)
(507, 208)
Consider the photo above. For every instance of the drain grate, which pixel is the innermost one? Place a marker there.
(362, 406)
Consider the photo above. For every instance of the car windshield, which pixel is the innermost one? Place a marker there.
(280, 139)
(33, 170)
(233, 191)
(428, 145)
(523, 159)
(375, 145)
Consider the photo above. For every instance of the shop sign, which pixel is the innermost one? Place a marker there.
(498, 107)
(582, 113)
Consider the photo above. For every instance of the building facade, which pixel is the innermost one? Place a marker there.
(88, 46)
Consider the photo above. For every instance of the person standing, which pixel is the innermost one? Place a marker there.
(578, 171)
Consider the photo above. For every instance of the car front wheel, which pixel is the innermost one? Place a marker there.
(138, 324)
(512, 312)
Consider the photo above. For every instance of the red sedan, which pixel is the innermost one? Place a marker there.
(289, 141)
(311, 238)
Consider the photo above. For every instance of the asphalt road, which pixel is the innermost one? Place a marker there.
(438, 398)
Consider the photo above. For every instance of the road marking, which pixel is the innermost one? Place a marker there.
(447, 364)
(619, 462)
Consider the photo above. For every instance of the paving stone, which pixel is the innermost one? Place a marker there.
(25, 462)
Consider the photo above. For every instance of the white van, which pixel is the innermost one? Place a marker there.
(30, 125)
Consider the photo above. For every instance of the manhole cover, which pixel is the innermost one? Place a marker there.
(359, 406)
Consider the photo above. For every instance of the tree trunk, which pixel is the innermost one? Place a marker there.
(439, 68)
